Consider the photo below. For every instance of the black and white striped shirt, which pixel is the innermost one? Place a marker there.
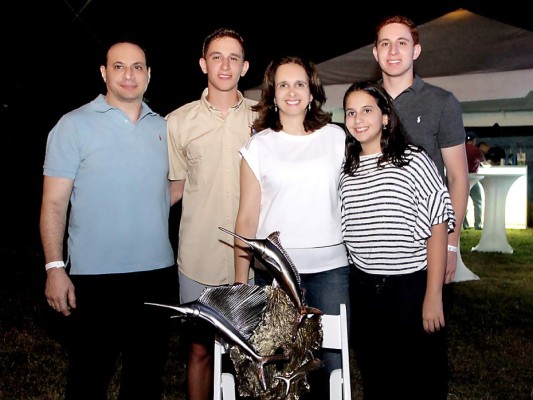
(387, 213)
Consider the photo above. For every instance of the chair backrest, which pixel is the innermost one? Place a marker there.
(335, 336)
(223, 383)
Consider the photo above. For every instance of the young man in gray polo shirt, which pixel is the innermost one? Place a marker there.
(432, 117)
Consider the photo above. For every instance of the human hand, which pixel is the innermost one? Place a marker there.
(59, 291)
(432, 315)
(451, 267)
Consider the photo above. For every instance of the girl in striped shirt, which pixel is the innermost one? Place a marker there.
(396, 214)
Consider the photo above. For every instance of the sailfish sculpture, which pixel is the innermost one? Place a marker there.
(234, 311)
(273, 256)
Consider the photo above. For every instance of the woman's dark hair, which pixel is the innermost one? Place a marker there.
(394, 140)
(268, 117)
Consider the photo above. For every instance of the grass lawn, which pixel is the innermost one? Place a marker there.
(491, 323)
(490, 326)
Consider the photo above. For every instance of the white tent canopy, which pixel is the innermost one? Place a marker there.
(487, 64)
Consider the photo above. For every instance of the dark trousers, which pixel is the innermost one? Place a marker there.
(112, 323)
(396, 357)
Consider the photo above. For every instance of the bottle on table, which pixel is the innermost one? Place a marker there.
(510, 158)
(521, 157)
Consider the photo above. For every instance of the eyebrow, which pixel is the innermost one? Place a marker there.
(390, 40)
(125, 63)
(220, 53)
(297, 81)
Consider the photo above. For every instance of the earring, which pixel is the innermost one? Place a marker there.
(275, 106)
(309, 106)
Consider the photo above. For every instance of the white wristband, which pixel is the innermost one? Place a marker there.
(55, 264)
(452, 248)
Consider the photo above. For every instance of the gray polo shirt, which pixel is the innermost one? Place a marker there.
(432, 117)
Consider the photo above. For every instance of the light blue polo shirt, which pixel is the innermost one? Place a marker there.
(120, 200)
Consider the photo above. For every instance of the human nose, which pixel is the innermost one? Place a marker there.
(128, 73)
(225, 63)
(291, 90)
(356, 118)
(393, 49)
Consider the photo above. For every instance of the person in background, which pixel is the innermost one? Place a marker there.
(475, 158)
(290, 173)
(484, 147)
(396, 215)
(431, 115)
(204, 141)
(108, 161)
(493, 154)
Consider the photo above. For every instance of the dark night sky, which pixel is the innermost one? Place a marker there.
(53, 47)
(51, 52)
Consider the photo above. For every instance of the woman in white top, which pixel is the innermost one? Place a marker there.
(289, 183)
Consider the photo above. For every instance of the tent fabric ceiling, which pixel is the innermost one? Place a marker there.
(457, 43)
(487, 64)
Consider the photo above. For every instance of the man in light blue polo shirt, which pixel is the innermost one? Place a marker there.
(108, 161)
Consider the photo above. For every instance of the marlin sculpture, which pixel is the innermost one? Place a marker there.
(234, 311)
(278, 263)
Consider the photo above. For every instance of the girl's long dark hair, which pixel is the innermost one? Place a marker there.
(394, 140)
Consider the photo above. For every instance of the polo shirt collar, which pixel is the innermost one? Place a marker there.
(417, 85)
(101, 105)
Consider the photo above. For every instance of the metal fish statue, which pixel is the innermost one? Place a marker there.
(278, 263)
(299, 373)
(233, 312)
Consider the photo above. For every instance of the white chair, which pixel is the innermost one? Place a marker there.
(223, 382)
(335, 330)
(335, 336)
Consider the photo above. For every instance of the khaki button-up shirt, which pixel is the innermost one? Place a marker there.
(204, 150)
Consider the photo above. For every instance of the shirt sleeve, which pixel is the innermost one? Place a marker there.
(62, 158)
(451, 128)
(250, 152)
(177, 158)
(434, 202)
